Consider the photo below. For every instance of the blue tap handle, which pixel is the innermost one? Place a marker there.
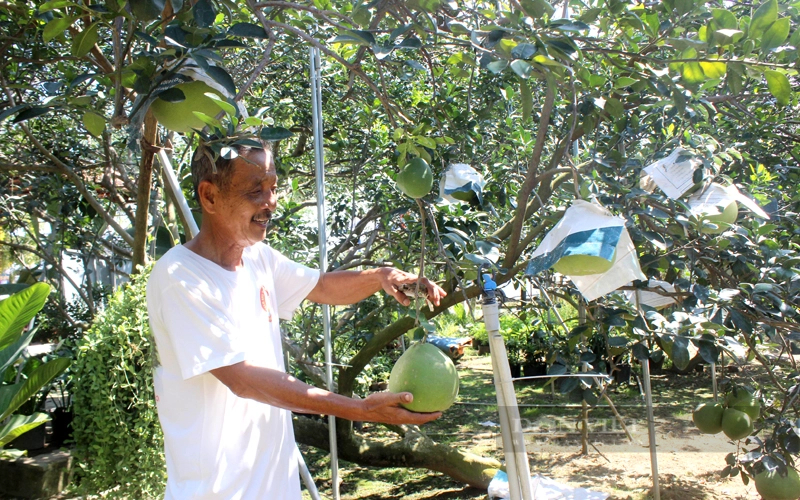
(488, 283)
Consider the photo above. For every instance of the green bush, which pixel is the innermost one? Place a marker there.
(118, 439)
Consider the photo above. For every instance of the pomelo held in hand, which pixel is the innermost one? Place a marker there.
(772, 486)
(179, 116)
(427, 373)
(416, 178)
(708, 418)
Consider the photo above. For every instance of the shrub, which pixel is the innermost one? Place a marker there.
(118, 439)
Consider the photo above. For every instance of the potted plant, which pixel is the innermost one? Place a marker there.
(514, 357)
(536, 349)
(16, 313)
(61, 414)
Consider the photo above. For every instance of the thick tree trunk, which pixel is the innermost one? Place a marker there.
(144, 189)
(414, 449)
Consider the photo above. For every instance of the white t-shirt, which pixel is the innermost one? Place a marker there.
(220, 446)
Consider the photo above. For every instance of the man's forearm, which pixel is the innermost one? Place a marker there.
(280, 389)
(347, 287)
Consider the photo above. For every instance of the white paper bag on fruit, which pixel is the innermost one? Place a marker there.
(717, 206)
(650, 296)
(592, 247)
(461, 183)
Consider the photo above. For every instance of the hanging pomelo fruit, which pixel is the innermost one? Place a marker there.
(736, 424)
(741, 399)
(722, 220)
(415, 178)
(427, 373)
(179, 116)
(772, 486)
(582, 265)
(708, 418)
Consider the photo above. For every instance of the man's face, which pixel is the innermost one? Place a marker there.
(248, 202)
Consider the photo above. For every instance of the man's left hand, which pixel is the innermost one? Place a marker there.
(392, 281)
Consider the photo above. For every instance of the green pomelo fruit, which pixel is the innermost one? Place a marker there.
(722, 220)
(427, 373)
(416, 178)
(582, 265)
(708, 418)
(772, 486)
(742, 400)
(736, 424)
(179, 116)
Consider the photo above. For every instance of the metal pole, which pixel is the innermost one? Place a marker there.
(651, 427)
(651, 421)
(714, 380)
(319, 161)
(177, 195)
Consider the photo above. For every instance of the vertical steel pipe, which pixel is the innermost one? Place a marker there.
(319, 162)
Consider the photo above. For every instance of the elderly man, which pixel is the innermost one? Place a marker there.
(222, 391)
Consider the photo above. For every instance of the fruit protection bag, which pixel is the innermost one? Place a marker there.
(589, 229)
(461, 183)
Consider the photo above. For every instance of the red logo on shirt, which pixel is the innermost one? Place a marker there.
(265, 302)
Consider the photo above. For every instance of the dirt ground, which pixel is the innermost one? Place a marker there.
(689, 462)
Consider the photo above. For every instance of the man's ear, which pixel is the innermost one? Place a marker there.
(208, 194)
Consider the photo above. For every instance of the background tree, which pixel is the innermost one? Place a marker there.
(549, 102)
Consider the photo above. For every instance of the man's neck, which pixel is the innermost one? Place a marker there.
(207, 245)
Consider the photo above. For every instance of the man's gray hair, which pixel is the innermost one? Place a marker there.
(219, 172)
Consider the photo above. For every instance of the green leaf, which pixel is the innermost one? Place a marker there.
(357, 37)
(229, 108)
(32, 112)
(521, 68)
(778, 86)
(54, 4)
(17, 311)
(146, 10)
(247, 30)
(275, 133)
(546, 61)
(727, 37)
(40, 377)
(204, 13)
(763, 18)
(524, 51)
(84, 41)
(94, 123)
(680, 353)
(10, 354)
(498, 66)
(724, 19)
(692, 73)
(713, 69)
(223, 78)
(57, 26)
(18, 425)
(624, 81)
(775, 35)
(537, 9)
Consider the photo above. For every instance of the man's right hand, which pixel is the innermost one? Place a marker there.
(384, 407)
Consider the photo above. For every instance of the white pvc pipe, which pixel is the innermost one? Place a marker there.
(319, 162)
(518, 470)
(651, 428)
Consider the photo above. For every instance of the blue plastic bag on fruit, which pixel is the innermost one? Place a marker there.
(592, 247)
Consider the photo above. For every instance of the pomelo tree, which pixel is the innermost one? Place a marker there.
(550, 102)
